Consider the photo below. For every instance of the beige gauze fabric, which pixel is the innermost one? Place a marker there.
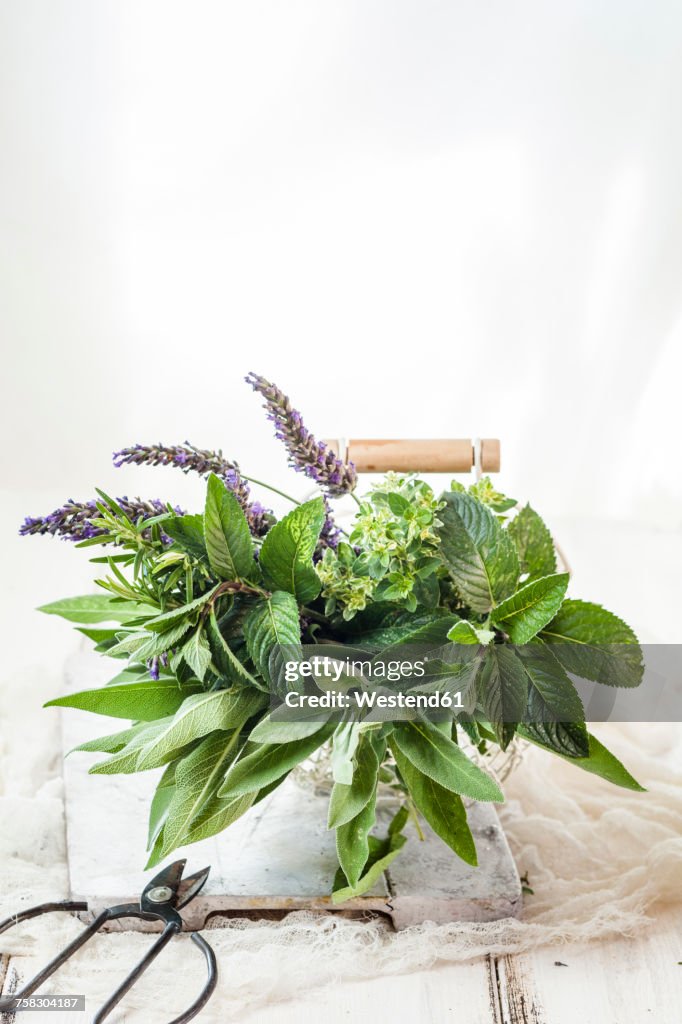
(599, 859)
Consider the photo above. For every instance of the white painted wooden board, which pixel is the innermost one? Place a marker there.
(279, 856)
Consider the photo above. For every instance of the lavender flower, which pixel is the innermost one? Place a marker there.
(189, 458)
(330, 534)
(306, 454)
(74, 521)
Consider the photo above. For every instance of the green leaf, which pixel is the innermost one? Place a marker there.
(199, 715)
(347, 801)
(555, 712)
(344, 744)
(442, 808)
(189, 612)
(381, 855)
(595, 644)
(502, 688)
(464, 632)
(352, 840)
(533, 542)
(226, 661)
(271, 624)
(195, 811)
(158, 810)
(270, 762)
(188, 532)
(141, 702)
(270, 730)
(286, 557)
(526, 612)
(112, 743)
(599, 761)
(477, 552)
(228, 540)
(197, 653)
(91, 608)
(124, 761)
(442, 760)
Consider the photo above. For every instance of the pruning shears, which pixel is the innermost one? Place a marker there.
(161, 900)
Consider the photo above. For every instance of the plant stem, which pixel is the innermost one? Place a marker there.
(269, 487)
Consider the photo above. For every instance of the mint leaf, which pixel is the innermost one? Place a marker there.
(197, 653)
(555, 713)
(286, 557)
(477, 552)
(593, 643)
(228, 540)
(533, 542)
(91, 608)
(442, 808)
(142, 702)
(435, 755)
(269, 762)
(599, 761)
(526, 612)
(272, 623)
(502, 688)
(188, 533)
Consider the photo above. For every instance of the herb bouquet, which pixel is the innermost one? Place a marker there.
(204, 609)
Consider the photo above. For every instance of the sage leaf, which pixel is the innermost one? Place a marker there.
(199, 715)
(188, 612)
(464, 632)
(443, 809)
(442, 760)
(158, 809)
(227, 662)
(352, 839)
(526, 612)
(286, 557)
(226, 530)
(197, 780)
(269, 762)
(92, 608)
(479, 555)
(381, 854)
(347, 800)
(143, 702)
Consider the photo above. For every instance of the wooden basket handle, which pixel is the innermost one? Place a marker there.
(443, 455)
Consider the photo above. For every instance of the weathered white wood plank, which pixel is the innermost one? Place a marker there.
(626, 981)
(279, 856)
(456, 992)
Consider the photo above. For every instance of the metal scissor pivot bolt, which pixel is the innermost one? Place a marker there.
(160, 894)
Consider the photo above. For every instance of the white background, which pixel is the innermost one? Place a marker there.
(419, 218)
